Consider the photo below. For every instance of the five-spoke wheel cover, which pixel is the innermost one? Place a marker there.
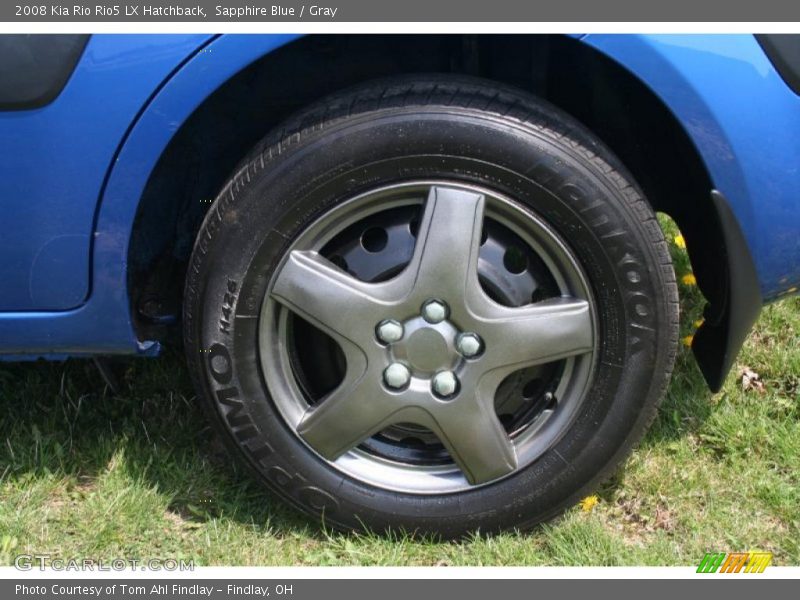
(399, 377)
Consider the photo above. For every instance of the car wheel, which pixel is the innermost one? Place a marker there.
(431, 304)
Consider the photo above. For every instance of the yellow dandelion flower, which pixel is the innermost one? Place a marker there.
(588, 503)
(679, 241)
(698, 323)
(689, 279)
(687, 341)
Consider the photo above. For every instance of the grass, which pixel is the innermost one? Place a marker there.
(84, 473)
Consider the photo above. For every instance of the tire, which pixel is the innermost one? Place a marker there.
(590, 244)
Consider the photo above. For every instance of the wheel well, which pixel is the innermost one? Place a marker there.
(614, 104)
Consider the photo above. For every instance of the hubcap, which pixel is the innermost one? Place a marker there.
(458, 358)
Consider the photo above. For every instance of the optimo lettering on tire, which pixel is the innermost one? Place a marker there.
(433, 304)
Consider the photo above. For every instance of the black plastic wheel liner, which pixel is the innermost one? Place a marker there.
(734, 298)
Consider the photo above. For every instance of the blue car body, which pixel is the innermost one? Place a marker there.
(73, 172)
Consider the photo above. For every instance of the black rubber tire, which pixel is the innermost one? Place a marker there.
(433, 127)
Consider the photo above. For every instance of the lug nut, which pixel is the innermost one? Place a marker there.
(389, 331)
(469, 344)
(444, 384)
(434, 311)
(396, 376)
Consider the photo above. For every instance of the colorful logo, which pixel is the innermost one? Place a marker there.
(735, 562)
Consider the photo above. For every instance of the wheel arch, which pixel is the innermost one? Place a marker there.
(205, 145)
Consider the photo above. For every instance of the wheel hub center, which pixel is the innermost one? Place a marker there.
(426, 347)
(428, 350)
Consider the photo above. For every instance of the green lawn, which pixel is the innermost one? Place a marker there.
(87, 474)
